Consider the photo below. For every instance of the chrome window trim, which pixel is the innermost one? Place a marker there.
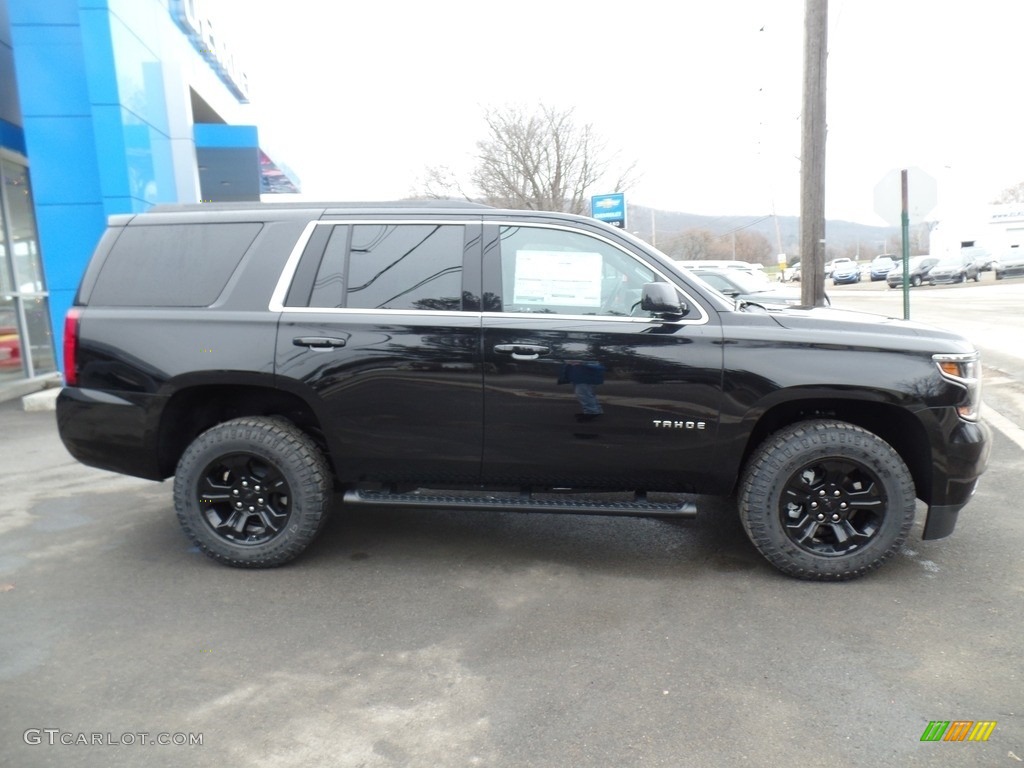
(285, 280)
(382, 312)
(291, 264)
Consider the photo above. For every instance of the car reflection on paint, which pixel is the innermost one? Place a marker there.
(917, 271)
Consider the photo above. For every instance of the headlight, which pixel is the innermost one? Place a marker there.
(965, 370)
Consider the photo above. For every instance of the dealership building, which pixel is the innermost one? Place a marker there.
(106, 107)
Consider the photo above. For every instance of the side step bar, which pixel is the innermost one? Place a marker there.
(522, 503)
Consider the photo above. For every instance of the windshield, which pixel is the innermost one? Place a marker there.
(731, 281)
(744, 281)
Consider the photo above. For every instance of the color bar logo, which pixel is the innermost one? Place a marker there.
(958, 730)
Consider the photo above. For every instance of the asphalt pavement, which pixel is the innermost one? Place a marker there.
(408, 638)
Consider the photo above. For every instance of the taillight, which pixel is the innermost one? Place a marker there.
(71, 347)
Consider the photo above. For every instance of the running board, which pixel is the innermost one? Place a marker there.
(522, 503)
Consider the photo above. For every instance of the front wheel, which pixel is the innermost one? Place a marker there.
(252, 492)
(915, 281)
(826, 500)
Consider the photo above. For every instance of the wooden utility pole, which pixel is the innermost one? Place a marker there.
(812, 155)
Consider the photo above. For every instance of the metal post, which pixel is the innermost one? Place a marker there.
(812, 156)
(905, 220)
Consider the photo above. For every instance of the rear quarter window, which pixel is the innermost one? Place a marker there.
(171, 265)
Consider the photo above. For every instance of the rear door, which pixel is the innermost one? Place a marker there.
(580, 386)
(380, 330)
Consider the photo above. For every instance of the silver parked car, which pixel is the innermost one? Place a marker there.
(954, 268)
(1010, 263)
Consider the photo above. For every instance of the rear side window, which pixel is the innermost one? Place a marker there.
(171, 265)
(389, 266)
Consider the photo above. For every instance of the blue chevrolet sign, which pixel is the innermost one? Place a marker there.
(611, 209)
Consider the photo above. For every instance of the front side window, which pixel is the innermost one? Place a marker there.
(391, 266)
(560, 272)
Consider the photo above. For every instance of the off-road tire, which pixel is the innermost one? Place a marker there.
(220, 469)
(801, 476)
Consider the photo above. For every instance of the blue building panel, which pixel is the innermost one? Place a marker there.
(92, 114)
(71, 231)
(111, 152)
(141, 143)
(63, 156)
(221, 136)
(98, 48)
(45, 89)
(43, 12)
(140, 79)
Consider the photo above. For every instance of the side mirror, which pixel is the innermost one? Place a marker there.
(662, 299)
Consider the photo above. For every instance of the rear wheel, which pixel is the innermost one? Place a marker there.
(826, 500)
(252, 492)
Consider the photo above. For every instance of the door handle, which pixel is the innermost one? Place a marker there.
(318, 342)
(523, 351)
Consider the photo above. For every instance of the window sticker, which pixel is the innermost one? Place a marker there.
(562, 278)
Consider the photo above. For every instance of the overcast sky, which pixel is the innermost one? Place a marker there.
(360, 97)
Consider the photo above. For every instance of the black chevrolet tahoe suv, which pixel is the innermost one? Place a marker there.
(274, 357)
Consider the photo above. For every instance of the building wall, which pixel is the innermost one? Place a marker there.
(106, 88)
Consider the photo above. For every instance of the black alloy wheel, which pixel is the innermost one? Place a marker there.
(244, 498)
(826, 500)
(252, 492)
(830, 507)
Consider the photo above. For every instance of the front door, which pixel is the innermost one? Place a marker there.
(581, 387)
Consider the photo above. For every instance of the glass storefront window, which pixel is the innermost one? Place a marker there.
(10, 343)
(21, 229)
(26, 335)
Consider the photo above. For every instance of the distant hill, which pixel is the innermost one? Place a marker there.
(839, 235)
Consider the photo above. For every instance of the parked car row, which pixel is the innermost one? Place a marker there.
(742, 286)
(917, 272)
(958, 267)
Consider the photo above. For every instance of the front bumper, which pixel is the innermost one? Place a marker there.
(965, 462)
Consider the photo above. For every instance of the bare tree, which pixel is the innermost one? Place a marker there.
(538, 161)
(441, 182)
(690, 245)
(1014, 194)
(753, 247)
